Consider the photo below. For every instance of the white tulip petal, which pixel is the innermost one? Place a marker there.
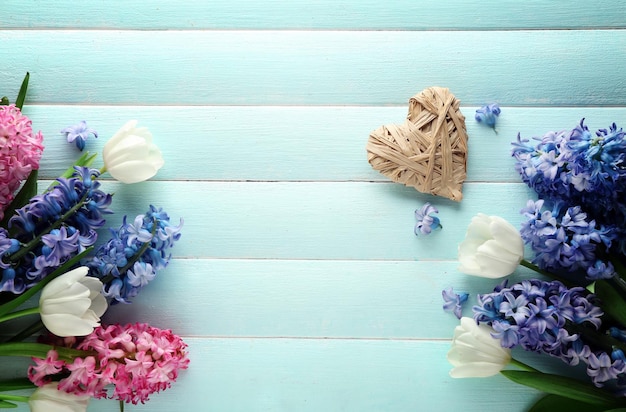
(474, 352)
(130, 156)
(99, 304)
(496, 261)
(475, 370)
(65, 325)
(133, 171)
(492, 248)
(75, 309)
(64, 281)
(48, 398)
(507, 235)
(118, 136)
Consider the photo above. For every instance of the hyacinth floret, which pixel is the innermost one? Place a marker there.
(488, 114)
(136, 359)
(134, 254)
(78, 133)
(20, 152)
(453, 302)
(426, 223)
(52, 228)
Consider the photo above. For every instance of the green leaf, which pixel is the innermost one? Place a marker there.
(555, 403)
(16, 384)
(612, 302)
(39, 350)
(7, 405)
(4, 101)
(21, 96)
(25, 349)
(562, 386)
(84, 161)
(28, 190)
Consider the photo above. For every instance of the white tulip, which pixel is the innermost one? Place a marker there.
(48, 398)
(71, 305)
(475, 353)
(492, 248)
(130, 156)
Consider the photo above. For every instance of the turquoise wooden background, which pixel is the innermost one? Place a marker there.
(298, 283)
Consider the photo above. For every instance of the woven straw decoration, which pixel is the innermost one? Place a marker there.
(428, 151)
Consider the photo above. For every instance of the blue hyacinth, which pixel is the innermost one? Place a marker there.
(579, 168)
(426, 223)
(548, 317)
(488, 114)
(52, 228)
(135, 253)
(566, 240)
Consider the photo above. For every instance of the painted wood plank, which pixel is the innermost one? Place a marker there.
(285, 143)
(544, 68)
(304, 298)
(313, 220)
(321, 14)
(326, 375)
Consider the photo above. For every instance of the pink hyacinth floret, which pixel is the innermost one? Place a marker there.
(20, 152)
(137, 359)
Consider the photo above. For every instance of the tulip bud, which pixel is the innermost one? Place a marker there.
(492, 248)
(71, 305)
(130, 156)
(475, 353)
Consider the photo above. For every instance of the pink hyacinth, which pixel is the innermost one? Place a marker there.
(137, 359)
(20, 152)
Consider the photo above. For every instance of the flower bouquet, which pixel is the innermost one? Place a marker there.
(60, 270)
(575, 308)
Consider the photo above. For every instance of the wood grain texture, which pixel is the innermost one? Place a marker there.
(340, 299)
(293, 143)
(298, 281)
(312, 220)
(302, 374)
(546, 68)
(321, 14)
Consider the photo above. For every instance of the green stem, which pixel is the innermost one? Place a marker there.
(537, 269)
(15, 398)
(19, 313)
(27, 332)
(523, 365)
(34, 242)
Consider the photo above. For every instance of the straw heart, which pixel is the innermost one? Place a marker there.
(429, 150)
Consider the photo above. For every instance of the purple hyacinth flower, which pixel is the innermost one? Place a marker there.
(425, 222)
(488, 114)
(453, 302)
(78, 134)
